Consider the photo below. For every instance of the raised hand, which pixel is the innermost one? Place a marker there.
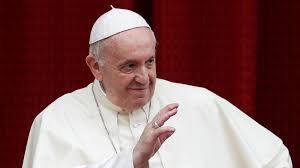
(153, 136)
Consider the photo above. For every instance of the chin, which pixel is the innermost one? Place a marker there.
(140, 102)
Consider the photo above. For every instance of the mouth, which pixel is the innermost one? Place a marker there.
(138, 89)
(144, 88)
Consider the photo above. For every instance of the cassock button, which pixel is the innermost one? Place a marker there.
(136, 125)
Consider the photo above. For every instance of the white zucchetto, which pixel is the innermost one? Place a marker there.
(115, 21)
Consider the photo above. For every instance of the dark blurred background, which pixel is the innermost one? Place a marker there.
(245, 51)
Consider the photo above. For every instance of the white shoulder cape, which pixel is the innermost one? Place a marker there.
(210, 133)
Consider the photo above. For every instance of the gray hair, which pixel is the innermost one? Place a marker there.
(96, 50)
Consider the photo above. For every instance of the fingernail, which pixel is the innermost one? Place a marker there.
(172, 129)
(170, 133)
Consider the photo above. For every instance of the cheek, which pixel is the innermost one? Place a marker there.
(124, 81)
(152, 75)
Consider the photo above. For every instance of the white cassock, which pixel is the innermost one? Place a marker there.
(210, 133)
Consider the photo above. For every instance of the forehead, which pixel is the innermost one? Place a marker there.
(131, 44)
(136, 36)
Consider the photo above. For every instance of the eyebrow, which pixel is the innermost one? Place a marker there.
(126, 61)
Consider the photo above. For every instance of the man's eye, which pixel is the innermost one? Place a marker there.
(128, 68)
(150, 61)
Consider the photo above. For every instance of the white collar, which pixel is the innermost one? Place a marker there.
(109, 112)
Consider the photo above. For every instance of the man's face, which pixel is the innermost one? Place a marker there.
(129, 72)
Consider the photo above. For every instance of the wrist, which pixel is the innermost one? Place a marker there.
(138, 160)
(143, 165)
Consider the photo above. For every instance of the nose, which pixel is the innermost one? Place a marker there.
(142, 76)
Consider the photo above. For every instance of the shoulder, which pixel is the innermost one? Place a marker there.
(201, 103)
(162, 84)
(182, 92)
(76, 103)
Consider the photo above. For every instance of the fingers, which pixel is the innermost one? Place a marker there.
(165, 136)
(163, 133)
(160, 131)
(154, 135)
(165, 113)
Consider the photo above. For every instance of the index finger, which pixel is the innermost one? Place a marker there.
(165, 113)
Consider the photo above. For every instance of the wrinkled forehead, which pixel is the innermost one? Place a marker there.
(127, 40)
(138, 35)
(140, 41)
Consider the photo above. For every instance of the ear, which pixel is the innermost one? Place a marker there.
(94, 67)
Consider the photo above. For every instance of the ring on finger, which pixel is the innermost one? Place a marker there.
(155, 125)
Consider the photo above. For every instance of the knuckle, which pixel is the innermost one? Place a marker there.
(165, 116)
(169, 107)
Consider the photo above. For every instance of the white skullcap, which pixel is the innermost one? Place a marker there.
(115, 21)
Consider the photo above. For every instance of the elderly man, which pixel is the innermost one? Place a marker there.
(127, 118)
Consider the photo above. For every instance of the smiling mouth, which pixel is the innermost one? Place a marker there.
(138, 89)
(141, 89)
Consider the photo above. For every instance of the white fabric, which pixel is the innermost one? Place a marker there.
(115, 21)
(130, 126)
(210, 133)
